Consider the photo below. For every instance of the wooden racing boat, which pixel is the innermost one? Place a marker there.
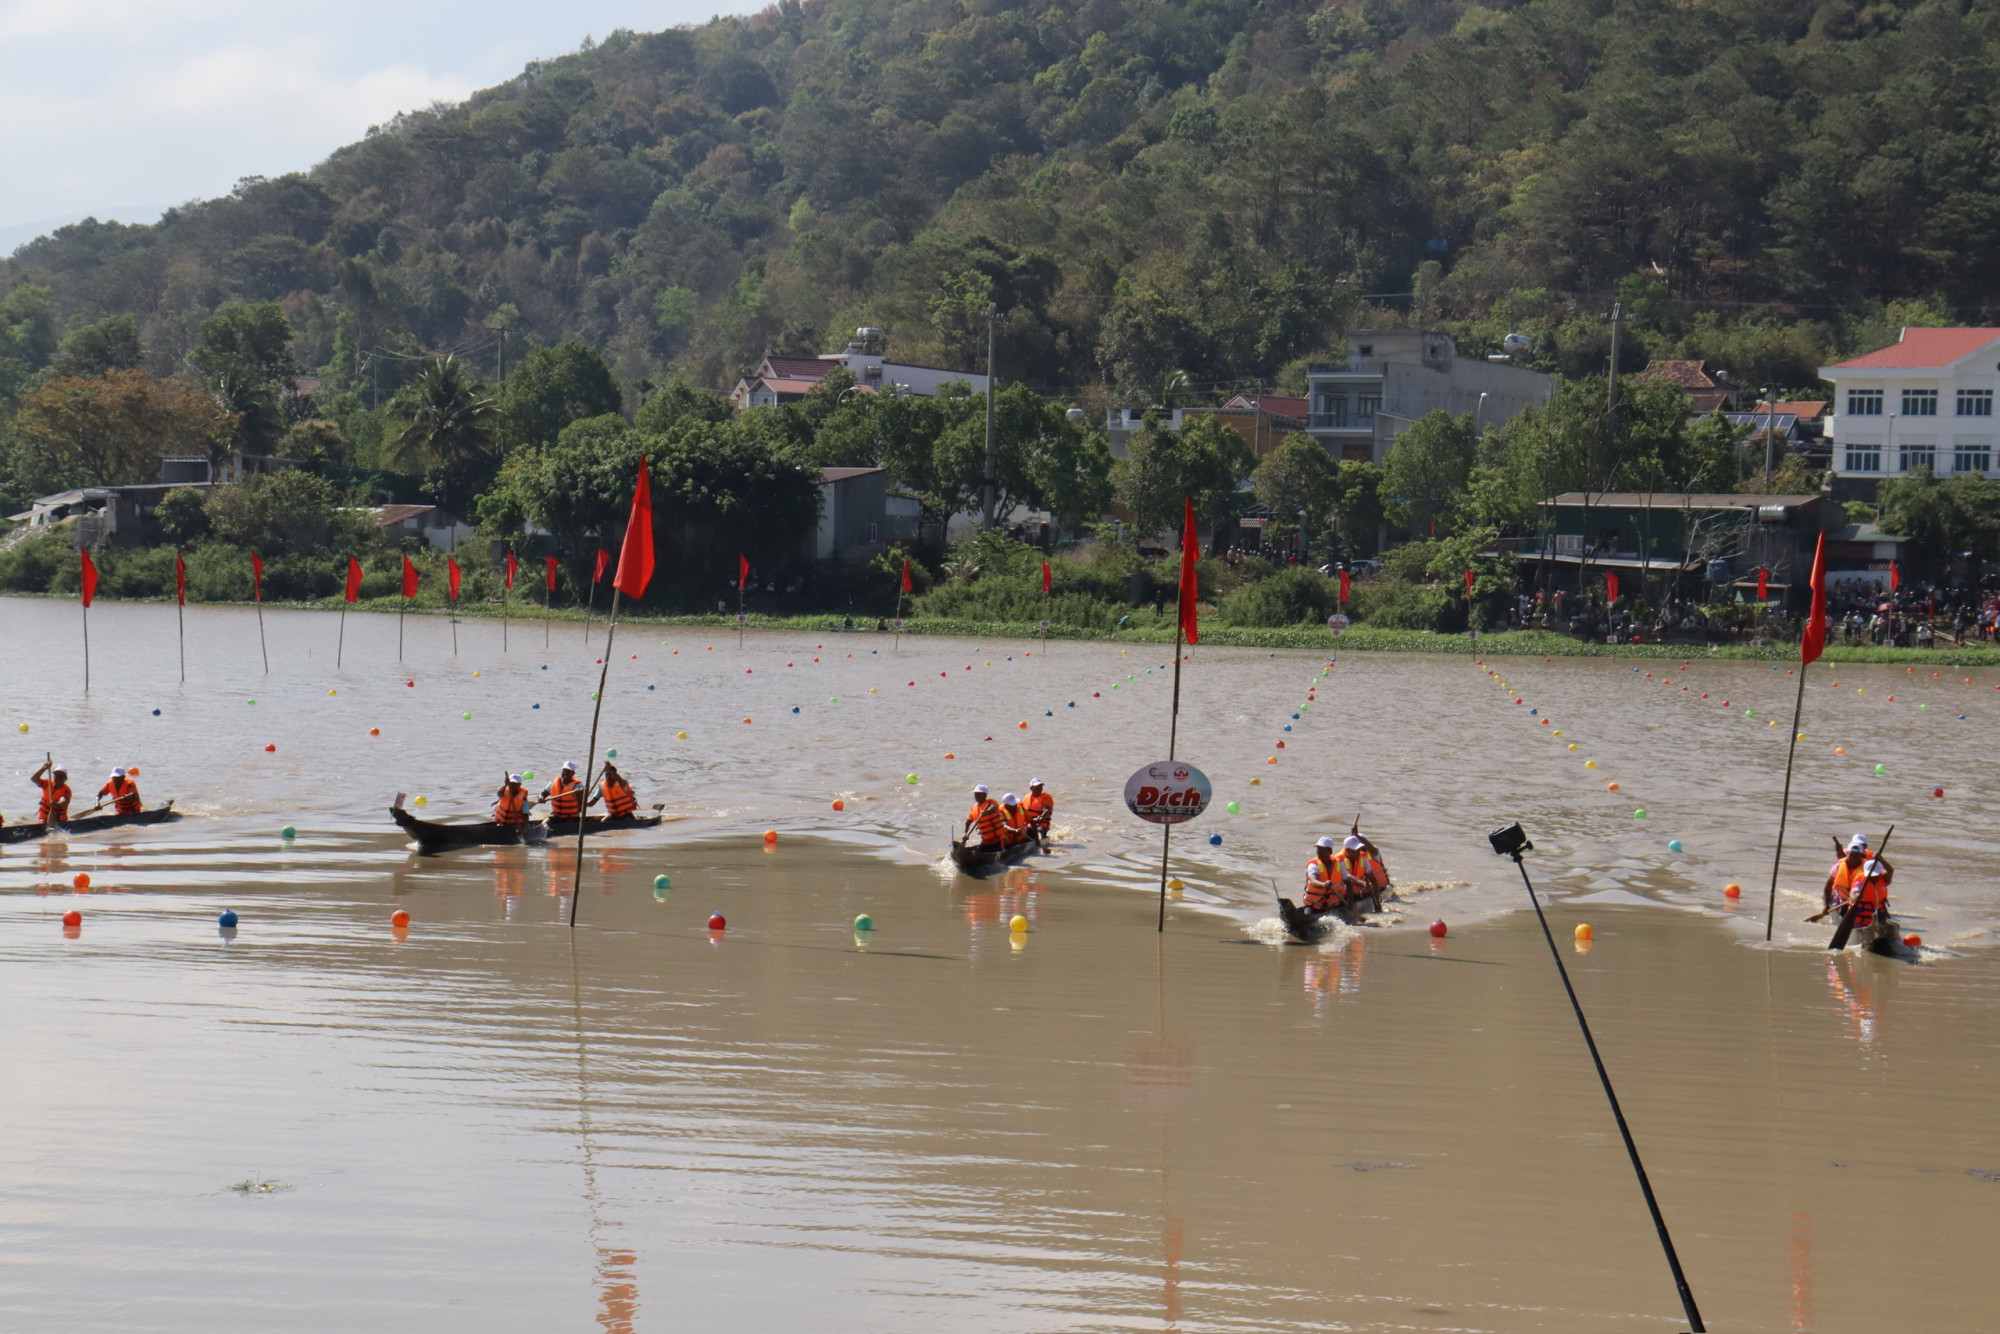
(89, 824)
(605, 824)
(431, 835)
(1311, 927)
(981, 858)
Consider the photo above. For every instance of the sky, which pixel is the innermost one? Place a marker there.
(120, 109)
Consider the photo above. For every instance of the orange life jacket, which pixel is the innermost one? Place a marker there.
(124, 794)
(1041, 809)
(1322, 885)
(565, 797)
(987, 819)
(619, 799)
(1868, 881)
(1013, 828)
(55, 801)
(1364, 868)
(512, 805)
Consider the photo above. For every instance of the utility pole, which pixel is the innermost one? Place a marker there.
(502, 373)
(992, 486)
(1770, 427)
(1611, 441)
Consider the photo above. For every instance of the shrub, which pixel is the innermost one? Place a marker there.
(1295, 596)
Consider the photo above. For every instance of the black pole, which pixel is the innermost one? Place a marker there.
(1631, 1149)
(340, 644)
(261, 645)
(1173, 739)
(590, 757)
(1785, 805)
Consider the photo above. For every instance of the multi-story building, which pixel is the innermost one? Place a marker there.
(1925, 401)
(1392, 377)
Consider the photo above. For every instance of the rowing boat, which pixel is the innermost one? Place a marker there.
(981, 858)
(431, 835)
(89, 824)
(604, 824)
(1308, 926)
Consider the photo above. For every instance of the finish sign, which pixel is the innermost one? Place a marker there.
(1170, 792)
(1338, 623)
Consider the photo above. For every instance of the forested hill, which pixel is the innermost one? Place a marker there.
(1148, 189)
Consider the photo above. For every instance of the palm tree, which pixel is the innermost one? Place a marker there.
(447, 432)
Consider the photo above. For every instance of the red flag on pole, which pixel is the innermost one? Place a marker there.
(907, 585)
(89, 577)
(353, 580)
(742, 572)
(451, 574)
(1345, 585)
(1610, 587)
(1048, 580)
(180, 580)
(1763, 583)
(550, 573)
(1468, 583)
(1190, 584)
(635, 557)
(1813, 641)
(257, 576)
(512, 566)
(1895, 577)
(603, 559)
(409, 578)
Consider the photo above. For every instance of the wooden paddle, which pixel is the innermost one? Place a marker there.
(1836, 906)
(1846, 929)
(1374, 894)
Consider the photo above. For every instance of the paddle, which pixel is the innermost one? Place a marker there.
(1839, 941)
(1374, 894)
(1840, 851)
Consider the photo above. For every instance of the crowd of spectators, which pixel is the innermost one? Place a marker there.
(1917, 615)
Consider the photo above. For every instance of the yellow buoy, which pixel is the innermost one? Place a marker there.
(1590, 764)
(1583, 931)
(1019, 923)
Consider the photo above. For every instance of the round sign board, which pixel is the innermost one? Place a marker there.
(1169, 792)
(1338, 623)
(897, 624)
(742, 618)
(1045, 625)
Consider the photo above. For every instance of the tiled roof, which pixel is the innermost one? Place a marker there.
(1805, 409)
(798, 368)
(1687, 374)
(1283, 407)
(389, 514)
(1923, 349)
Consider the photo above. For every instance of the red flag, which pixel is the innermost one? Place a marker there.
(1346, 585)
(1763, 583)
(353, 580)
(1813, 641)
(257, 576)
(550, 575)
(89, 577)
(512, 566)
(451, 575)
(742, 572)
(180, 580)
(1048, 580)
(907, 585)
(603, 559)
(1610, 587)
(1895, 577)
(1190, 584)
(1468, 584)
(635, 557)
(409, 578)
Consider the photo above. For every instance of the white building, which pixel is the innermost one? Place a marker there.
(1392, 377)
(1925, 401)
(789, 379)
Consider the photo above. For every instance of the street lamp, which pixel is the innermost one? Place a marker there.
(1478, 411)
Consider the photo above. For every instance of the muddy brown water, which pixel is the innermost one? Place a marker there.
(488, 1122)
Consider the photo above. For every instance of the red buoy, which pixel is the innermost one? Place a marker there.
(716, 922)
(1438, 928)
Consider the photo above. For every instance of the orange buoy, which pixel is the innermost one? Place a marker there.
(399, 918)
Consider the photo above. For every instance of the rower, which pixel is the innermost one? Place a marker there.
(1362, 875)
(1857, 875)
(620, 801)
(1013, 821)
(565, 795)
(123, 793)
(1041, 809)
(985, 814)
(510, 805)
(55, 793)
(1322, 879)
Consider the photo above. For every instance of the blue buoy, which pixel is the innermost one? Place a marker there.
(1961, 717)
(1674, 845)
(1072, 704)
(1215, 840)
(534, 706)
(1048, 713)
(795, 708)
(545, 666)
(1295, 715)
(156, 713)
(1288, 727)
(1533, 712)
(649, 687)
(227, 921)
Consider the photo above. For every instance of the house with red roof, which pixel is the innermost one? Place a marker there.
(866, 356)
(1925, 401)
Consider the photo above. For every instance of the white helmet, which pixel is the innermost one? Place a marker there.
(1859, 843)
(1034, 782)
(569, 766)
(513, 778)
(979, 790)
(117, 773)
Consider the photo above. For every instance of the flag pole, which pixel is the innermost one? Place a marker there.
(741, 579)
(454, 627)
(1785, 805)
(1812, 642)
(548, 603)
(1173, 740)
(86, 648)
(340, 645)
(590, 754)
(401, 607)
(257, 589)
(180, 625)
(589, 610)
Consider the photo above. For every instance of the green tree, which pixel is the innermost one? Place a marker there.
(109, 430)
(272, 512)
(317, 443)
(1205, 460)
(1042, 460)
(678, 401)
(244, 356)
(88, 350)
(1959, 514)
(183, 515)
(27, 335)
(552, 387)
(1299, 476)
(446, 419)
(1427, 470)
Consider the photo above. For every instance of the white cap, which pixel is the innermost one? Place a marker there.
(513, 778)
(569, 766)
(1354, 841)
(1034, 782)
(1325, 843)
(979, 789)
(1859, 843)
(1010, 800)
(117, 773)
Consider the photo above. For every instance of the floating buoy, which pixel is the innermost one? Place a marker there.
(839, 805)
(24, 726)
(1937, 792)
(1611, 787)
(156, 713)
(423, 800)
(288, 832)
(770, 836)
(466, 716)
(528, 774)
(649, 687)
(1732, 891)
(911, 778)
(717, 922)
(1673, 845)
(680, 736)
(1572, 745)
(253, 701)
(1840, 750)
(746, 720)
(795, 709)
(1281, 745)
(374, 731)
(1017, 923)
(399, 918)
(1215, 840)
(1256, 782)
(270, 750)
(1583, 931)
(227, 919)
(1272, 760)
(475, 676)
(81, 880)
(1590, 764)
(864, 923)
(1881, 769)
(1438, 928)
(611, 754)
(72, 918)
(1913, 941)
(1234, 809)
(662, 882)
